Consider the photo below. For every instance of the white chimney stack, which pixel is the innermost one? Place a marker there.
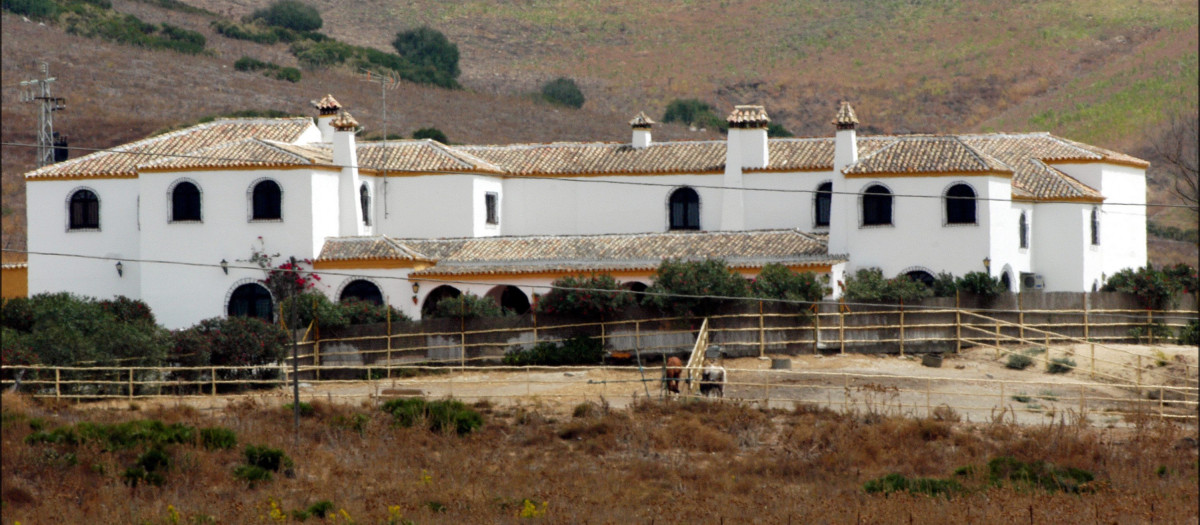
(327, 111)
(843, 209)
(641, 125)
(345, 156)
(745, 147)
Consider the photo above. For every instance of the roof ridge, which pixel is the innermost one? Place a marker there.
(979, 156)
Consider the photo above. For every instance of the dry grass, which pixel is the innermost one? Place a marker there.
(651, 462)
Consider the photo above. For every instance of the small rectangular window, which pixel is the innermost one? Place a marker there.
(492, 201)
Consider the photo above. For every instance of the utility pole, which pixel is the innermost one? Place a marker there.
(38, 90)
(386, 82)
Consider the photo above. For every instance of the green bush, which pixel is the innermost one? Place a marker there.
(131, 30)
(777, 281)
(778, 131)
(35, 9)
(148, 468)
(290, 14)
(468, 306)
(564, 92)
(981, 284)
(306, 409)
(1190, 334)
(267, 458)
(217, 438)
(1018, 361)
(927, 486)
(316, 55)
(578, 350)
(694, 288)
(289, 74)
(184, 36)
(251, 474)
(128, 310)
(693, 112)
(117, 436)
(1037, 474)
(432, 134)
(944, 285)
(594, 295)
(16, 313)
(1060, 365)
(250, 64)
(425, 46)
(867, 285)
(242, 32)
(443, 415)
(1154, 288)
(231, 341)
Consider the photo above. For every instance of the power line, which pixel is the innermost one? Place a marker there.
(617, 182)
(644, 293)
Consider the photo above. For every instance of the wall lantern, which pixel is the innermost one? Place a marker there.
(225, 266)
(416, 287)
(987, 265)
(120, 269)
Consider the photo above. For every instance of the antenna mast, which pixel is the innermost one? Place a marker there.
(38, 90)
(386, 82)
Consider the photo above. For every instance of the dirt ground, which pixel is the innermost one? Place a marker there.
(976, 384)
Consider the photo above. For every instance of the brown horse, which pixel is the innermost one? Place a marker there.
(672, 374)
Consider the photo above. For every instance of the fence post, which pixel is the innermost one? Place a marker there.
(1082, 402)
(817, 331)
(57, 385)
(214, 380)
(1086, 328)
(1150, 324)
(535, 335)
(762, 339)
(637, 339)
(1001, 395)
(130, 382)
(389, 342)
(462, 338)
(928, 403)
(1139, 377)
(997, 339)
(1021, 316)
(957, 324)
(1161, 404)
(767, 392)
(842, 329)
(902, 328)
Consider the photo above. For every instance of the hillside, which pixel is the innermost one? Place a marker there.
(1100, 71)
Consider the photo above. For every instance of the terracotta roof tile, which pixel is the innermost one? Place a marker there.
(926, 154)
(328, 105)
(641, 121)
(420, 156)
(845, 116)
(243, 153)
(748, 249)
(122, 161)
(344, 122)
(603, 158)
(1028, 153)
(748, 117)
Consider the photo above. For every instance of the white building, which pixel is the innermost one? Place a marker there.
(395, 220)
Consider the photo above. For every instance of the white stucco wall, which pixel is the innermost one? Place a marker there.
(117, 238)
(783, 209)
(428, 206)
(181, 295)
(1059, 245)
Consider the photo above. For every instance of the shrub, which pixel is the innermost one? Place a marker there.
(16, 313)
(944, 285)
(778, 131)
(117, 436)
(1018, 361)
(289, 74)
(306, 409)
(777, 281)
(425, 46)
(586, 296)
(898, 483)
(186, 37)
(1060, 365)
(1185, 276)
(266, 458)
(251, 474)
(1039, 474)
(578, 350)
(35, 9)
(1190, 334)
(128, 310)
(291, 15)
(443, 415)
(232, 341)
(217, 438)
(1153, 288)
(981, 284)
(432, 134)
(250, 64)
(868, 285)
(148, 468)
(468, 306)
(695, 113)
(316, 55)
(241, 32)
(694, 288)
(564, 92)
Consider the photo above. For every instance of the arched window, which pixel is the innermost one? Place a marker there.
(821, 204)
(1095, 226)
(876, 206)
(364, 196)
(510, 298)
(266, 201)
(251, 300)
(84, 210)
(362, 290)
(684, 209)
(960, 205)
(185, 202)
(1006, 282)
(1023, 230)
(921, 276)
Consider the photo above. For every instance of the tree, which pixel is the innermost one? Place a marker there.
(693, 112)
(1176, 148)
(290, 14)
(868, 285)
(425, 46)
(777, 281)
(564, 92)
(586, 296)
(694, 288)
(431, 133)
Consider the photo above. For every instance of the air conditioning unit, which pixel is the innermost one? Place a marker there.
(1032, 282)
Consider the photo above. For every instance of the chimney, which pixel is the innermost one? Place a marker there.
(843, 210)
(345, 156)
(327, 110)
(747, 137)
(845, 145)
(641, 125)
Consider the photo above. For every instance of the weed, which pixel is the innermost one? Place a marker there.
(1048, 395)
(927, 486)
(442, 415)
(148, 468)
(1160, 358)
(267, 458)
(1038, 474)
(1060, 365)
(436, 506)
(356, 422)
(306, 409)
(1021, 397)
(251, 474)
(217, 438)
(529, 509)
(1018, 361)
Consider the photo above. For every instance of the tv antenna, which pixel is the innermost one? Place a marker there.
(387, 82)
(38, 91)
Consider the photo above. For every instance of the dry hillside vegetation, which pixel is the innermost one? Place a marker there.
(1106, 72)
(650, 463)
